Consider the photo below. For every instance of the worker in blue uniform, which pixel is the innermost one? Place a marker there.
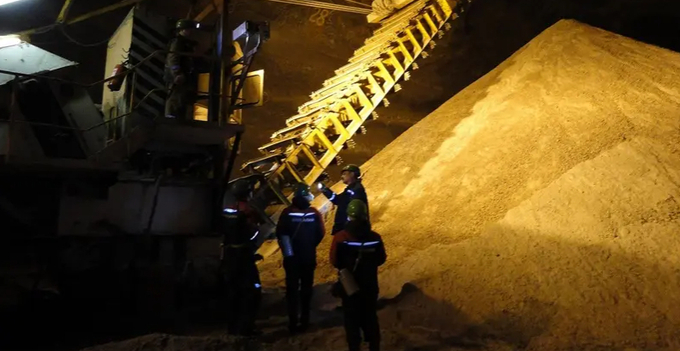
(239, 225)
(300, 230)
(351, 176)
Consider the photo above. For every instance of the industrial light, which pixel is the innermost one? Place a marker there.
(5, 2)
(9, 40)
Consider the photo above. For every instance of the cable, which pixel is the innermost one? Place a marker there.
(358, 3)
(154, 204)
(326, 5)
(71, 39)
(45, 29)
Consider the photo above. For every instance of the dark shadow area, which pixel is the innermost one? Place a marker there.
(274, 317)
(425, 324)
(77, 292)
(417, 320)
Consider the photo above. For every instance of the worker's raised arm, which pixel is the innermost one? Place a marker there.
(332, 197)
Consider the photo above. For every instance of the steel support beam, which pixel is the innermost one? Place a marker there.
(84, 17)
(213, 7)
(64, 11)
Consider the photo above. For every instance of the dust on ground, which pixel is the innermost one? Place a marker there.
(538, 209)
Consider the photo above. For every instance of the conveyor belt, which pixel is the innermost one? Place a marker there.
(324, 126)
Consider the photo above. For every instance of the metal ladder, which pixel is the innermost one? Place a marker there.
(312, 139)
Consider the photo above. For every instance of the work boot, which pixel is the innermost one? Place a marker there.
(233, 329)
(251, 333)
(293, 329)
(304, 324)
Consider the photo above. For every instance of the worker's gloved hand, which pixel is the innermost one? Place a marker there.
(179, 79)
(258, 257)
(326, 190)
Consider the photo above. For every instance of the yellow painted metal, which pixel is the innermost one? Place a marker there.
(313, 139)
(64, 11)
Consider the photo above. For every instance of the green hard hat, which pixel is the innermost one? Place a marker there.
(240, 188)
(352, 168)
(357, 209)
(302, 190)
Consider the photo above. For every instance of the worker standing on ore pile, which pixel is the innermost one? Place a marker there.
(180, 73)
(351, 176)
(239, 226)
(300, 230)
(357, 252)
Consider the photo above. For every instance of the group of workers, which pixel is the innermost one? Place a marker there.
(356, 252)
